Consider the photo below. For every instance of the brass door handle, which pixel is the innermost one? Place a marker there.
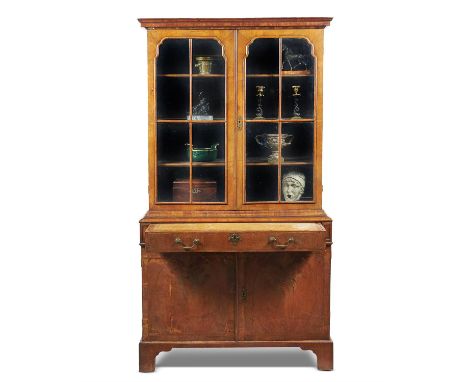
(274, 241)
(195, 243)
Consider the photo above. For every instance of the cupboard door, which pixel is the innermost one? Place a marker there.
(279, 104)
(191, 118)
(283, 296)
(189, 297)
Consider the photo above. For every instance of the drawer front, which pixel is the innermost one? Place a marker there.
(242, 239)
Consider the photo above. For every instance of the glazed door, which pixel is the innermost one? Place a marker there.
(279, 119)
(191, 119)
(283, 296)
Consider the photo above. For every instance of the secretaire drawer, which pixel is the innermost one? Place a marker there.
(235, 237)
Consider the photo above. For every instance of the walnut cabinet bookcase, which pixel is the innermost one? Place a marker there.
(235, 246)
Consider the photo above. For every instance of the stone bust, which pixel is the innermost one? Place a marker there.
(293, 185)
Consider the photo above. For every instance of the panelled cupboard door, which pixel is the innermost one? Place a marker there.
(279, 108)
(191, 114)
(283, 296)
(189, 297)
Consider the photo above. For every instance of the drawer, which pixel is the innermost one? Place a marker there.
(235, 237)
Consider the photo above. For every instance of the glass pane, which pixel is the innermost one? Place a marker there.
(173, 184)
(296, 183)
(171, 143)
(208, 98)
(208, 143)
(261, 143)
(301, 138)
(208, 184)
(173, 57)
(172, 97)
(262, 97)
(297, 97)
(297, 56)
(263, 56)
(262, 183)
(207, 57)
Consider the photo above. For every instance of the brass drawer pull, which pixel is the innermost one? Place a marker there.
(195, 242)
(273, 241)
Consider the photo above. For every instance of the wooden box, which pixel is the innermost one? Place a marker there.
(203, 190)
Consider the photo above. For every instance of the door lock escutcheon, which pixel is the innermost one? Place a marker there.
(244, 294)
(234, 238)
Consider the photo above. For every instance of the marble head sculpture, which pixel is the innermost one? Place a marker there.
(293, 185)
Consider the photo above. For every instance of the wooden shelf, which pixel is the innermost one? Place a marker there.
(283, 120)
(283, 74)
(287, 73)
(261, 75)
(175, 75)
(262, 120)
(296, 120)
(263, 162)
(190, 120)
(207, 75)
(217, 163)
(298, 163)
(208, 121)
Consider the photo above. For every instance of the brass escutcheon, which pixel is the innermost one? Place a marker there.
(234, 238)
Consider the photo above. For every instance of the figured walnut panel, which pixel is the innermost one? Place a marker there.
(190, 297)
(284, 297)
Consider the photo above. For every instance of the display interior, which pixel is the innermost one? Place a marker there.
(190, 121)
(279, 107)
(279, 112)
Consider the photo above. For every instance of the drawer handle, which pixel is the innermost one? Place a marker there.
(195, 242)
(274, 241)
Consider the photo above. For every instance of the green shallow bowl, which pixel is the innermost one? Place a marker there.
(206, 154)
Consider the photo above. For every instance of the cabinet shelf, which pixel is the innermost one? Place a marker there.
(283, 74)
(294, 161)
(296, 74)
(283, 120)
(263, 162)
(262, 75)
(190, 120)
(176, 75)
(217, 163)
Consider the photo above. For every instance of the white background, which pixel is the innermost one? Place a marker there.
(74, 178)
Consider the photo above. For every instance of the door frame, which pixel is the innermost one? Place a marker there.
(226, 38)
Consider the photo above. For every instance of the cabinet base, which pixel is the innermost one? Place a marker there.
(323, 349)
